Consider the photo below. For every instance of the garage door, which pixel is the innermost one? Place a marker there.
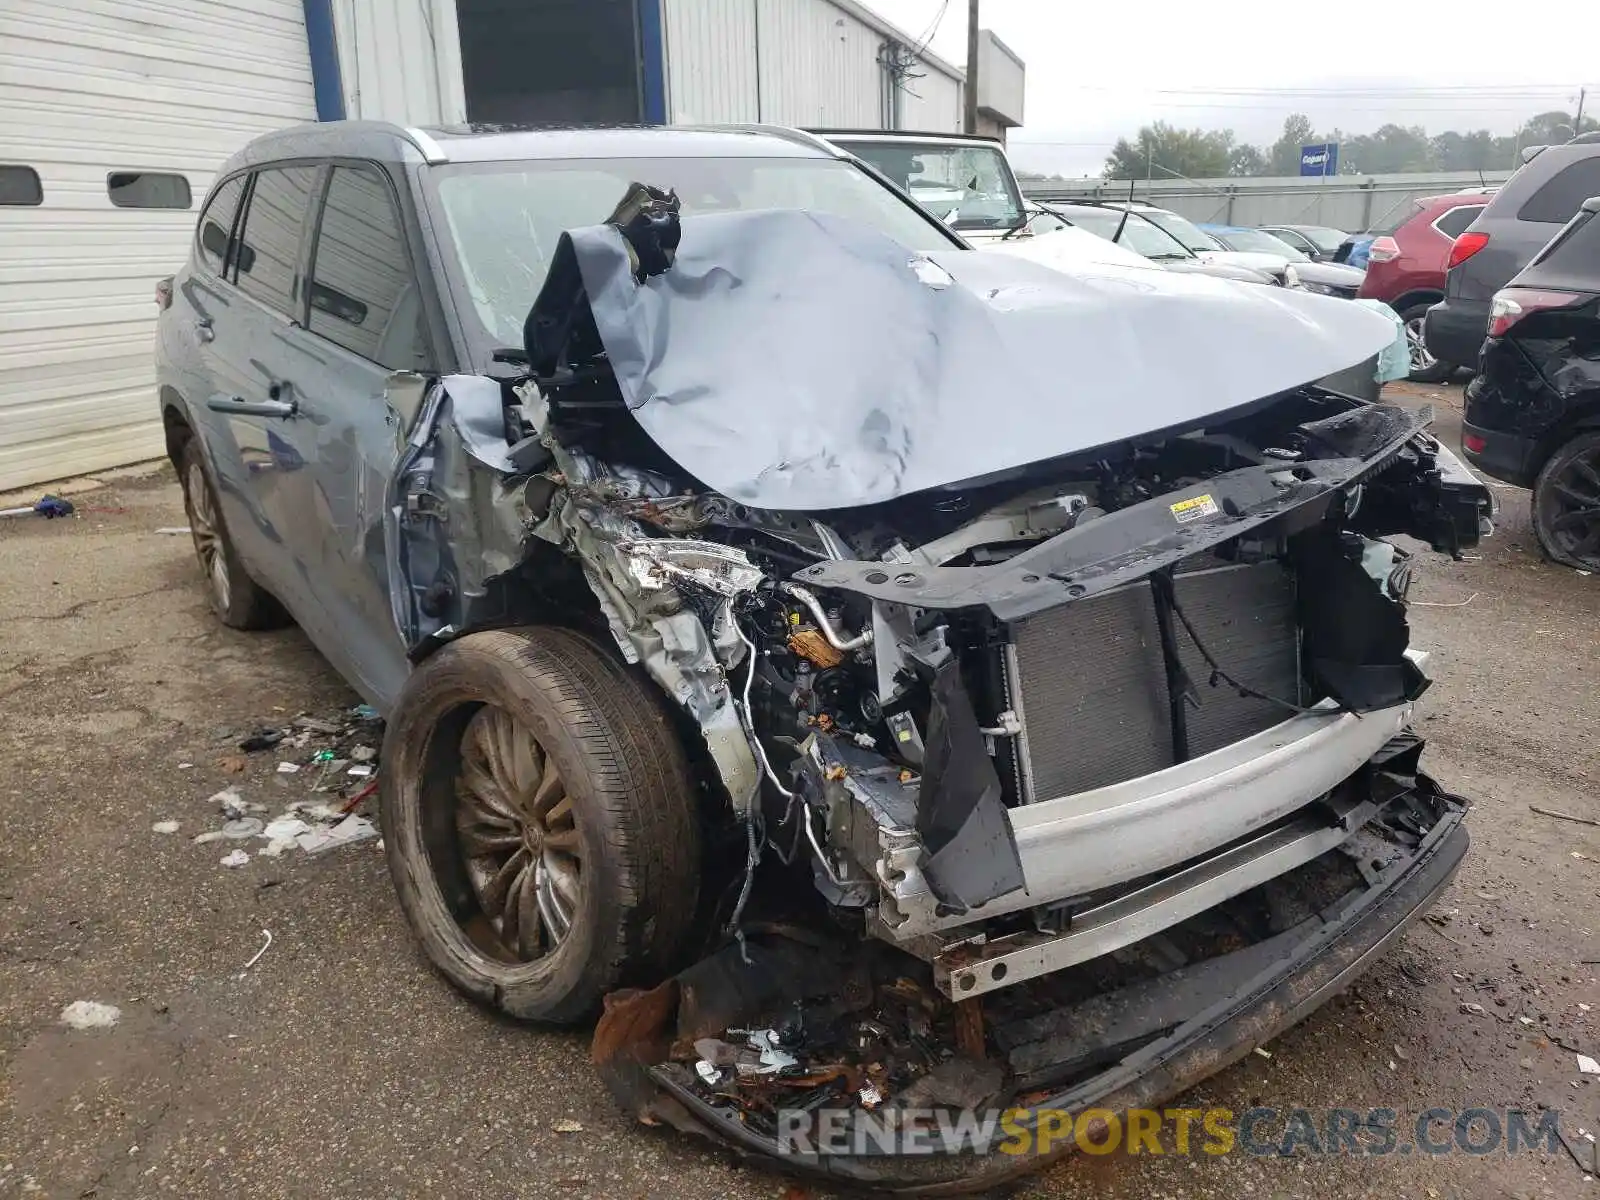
(117, 113)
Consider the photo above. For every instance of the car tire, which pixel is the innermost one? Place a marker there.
(237, 599)
(1424, 367)
(1568, 486)
(534, 897)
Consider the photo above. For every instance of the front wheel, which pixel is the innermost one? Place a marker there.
(539, 820)
(1425, 368)
(1566, 503)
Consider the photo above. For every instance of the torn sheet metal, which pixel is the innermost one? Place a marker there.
(679, 628)
(799, 361)
(450, 526)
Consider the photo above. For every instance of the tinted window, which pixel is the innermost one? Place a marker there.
(1454, 223)
(1564, 193)
(20, 185)
(216, 223)
(147, 189)
(363, 293)
(269, 243)
(1575, 249)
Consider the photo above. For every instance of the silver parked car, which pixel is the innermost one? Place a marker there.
(887, 656)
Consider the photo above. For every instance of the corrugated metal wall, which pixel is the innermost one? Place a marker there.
(711, 66)
(932, 104)
(89, 87)
(400, 62)
(819, 66)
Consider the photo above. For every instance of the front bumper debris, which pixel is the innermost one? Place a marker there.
(838, 1025)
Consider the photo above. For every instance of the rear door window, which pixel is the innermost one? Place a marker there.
(363, 292)
(269, 240)
(216, 223)
(1563, 193)
(1454, 223)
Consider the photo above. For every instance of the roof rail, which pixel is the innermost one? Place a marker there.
(788, 133)
(432, 153)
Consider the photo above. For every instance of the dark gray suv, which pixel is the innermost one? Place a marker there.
(889, 654)
(1544, 194)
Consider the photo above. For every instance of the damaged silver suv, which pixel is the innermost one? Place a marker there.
(883, 676)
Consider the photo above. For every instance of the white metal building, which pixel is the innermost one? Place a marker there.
(118, 113)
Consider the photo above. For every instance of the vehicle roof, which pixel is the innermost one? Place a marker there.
(1074, 207)
(1456, 199)
(904, 135)
(1298, 228)
(386, 142)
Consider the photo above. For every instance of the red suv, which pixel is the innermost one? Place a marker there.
(1407, 263)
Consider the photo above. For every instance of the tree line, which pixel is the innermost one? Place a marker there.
(1163, 151)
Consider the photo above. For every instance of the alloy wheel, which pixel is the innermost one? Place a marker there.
(1571, 508)
(518, 835)
(1421, 360)
(206, 531)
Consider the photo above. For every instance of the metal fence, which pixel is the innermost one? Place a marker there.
(1351, 202)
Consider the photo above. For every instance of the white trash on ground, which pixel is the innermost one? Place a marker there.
(90, 1014)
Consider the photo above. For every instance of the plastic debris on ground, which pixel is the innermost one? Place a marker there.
(90, 1014)
(174, 530)
(165, 827)
(261, 739)
(347, 832)
(47, 507)
(1588, 1065)
(256, 957)
(339, 760)
(235, 858)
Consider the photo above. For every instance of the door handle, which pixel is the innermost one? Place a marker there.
(203, 330)
(238, 406)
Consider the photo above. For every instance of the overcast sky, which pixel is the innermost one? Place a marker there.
(1097, 71)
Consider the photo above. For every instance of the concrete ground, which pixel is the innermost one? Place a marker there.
(338, 1065)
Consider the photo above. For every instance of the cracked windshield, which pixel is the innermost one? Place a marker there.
(967, 187)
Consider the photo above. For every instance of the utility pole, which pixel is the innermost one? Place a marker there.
(1577, 121)
(970, 119)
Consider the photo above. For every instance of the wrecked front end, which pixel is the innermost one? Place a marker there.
(1057, 769)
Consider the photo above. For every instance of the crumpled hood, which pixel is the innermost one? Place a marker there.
(796, 360)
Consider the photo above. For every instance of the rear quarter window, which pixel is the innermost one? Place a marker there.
(1455, 221)
(1576, 248)
(1560, 196)
(216, 224)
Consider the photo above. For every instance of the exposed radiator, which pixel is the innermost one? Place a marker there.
(1090, 684)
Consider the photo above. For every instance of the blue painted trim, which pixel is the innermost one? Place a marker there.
(653, 62)
(327, 84)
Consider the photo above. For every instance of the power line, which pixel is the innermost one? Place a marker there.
(1390, 109)
(932, 30)
(1370, 91)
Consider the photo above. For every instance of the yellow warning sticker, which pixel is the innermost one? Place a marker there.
(1194, 508)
